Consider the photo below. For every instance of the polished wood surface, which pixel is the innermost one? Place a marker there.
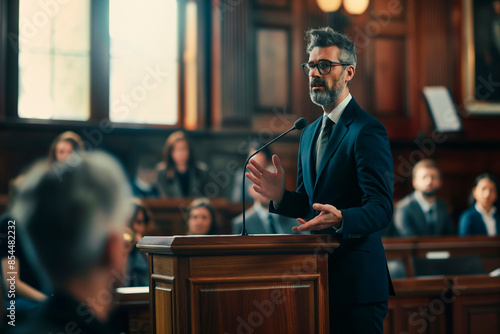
(219, 284)
(405, 249)
(441, 305)
(133, 306)
(409, 311)
(237, 245)
(477, 305)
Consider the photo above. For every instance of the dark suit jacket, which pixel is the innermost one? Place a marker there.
(471, 223)
(171, 187)
(409, 218)
(255, 225)
(61, 313)
(138, 192)
(356, 176)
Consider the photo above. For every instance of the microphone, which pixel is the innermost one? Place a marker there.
(298, 125)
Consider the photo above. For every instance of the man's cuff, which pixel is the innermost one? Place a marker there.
(340, 229)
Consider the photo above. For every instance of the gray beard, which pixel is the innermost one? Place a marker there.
(326, 98)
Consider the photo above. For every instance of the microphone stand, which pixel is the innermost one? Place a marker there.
(244, 230)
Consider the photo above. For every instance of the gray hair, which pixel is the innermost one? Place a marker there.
(324, 37)
(69, 213)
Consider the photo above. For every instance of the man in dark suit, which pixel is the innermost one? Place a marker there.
(344, 186)
(421, 212)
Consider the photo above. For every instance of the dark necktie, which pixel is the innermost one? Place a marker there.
(431, 221)
(324, 136)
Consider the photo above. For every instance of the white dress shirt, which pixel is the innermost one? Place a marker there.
(488, 219)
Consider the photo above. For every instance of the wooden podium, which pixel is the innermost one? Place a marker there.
(239, 284)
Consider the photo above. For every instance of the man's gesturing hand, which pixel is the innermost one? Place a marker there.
(268, 184)
(328, 217)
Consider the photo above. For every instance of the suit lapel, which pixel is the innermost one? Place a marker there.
(339, 132)
(309, 155)
(419, 217)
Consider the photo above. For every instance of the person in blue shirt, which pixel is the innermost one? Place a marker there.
(482, 218)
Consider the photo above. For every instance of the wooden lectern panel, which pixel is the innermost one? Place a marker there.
(235, 284)
(271, 307)
(163, 308)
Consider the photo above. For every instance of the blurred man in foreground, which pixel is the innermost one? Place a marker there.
(74, 218)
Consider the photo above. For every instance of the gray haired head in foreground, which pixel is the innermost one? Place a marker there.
(69, 209)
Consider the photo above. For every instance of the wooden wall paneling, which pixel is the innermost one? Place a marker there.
(389, 10)
(204, 59)
(433, 18)
(273, 65)
(384, 77)
(413, 306)
(10, 59)
(413, 68)
(289, 19)
(215, 78)
(390, 80)
(99, 60)
(300, 84)
(235, 63)
(277, 4)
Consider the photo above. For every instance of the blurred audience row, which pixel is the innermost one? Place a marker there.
(68, 212)
(422, 213)
(76, 223)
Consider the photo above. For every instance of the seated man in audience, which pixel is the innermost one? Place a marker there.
(75, 221)
(260, 221)
(146, 177)
(422, 213)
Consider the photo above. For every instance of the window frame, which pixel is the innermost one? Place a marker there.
(99, 70)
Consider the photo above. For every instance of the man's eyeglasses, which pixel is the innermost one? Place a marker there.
(324, 67)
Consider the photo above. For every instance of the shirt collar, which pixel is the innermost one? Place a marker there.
(483, 212)
(335, 114)
(426, 206)
(142, 185)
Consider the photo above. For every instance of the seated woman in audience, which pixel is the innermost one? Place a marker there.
(137, 263)
(65, 144)
(483, 218)
(181, 176)
(201, 218)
